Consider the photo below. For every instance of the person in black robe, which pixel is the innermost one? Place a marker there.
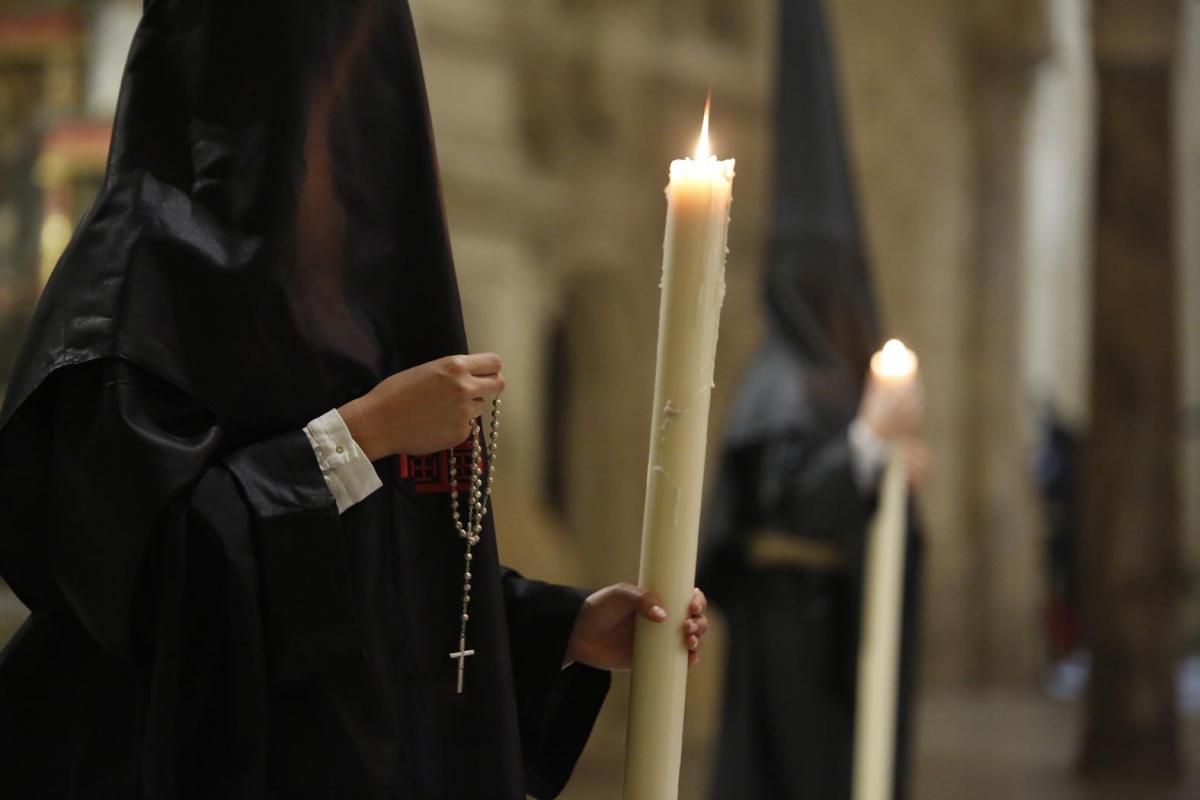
(785, 531)
(215, 612)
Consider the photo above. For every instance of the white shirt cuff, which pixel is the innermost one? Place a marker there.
(348, 472)
(868, 455)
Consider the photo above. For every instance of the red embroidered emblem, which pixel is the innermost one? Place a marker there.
(431, 474)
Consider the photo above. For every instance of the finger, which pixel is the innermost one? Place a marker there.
(631, 597)
(693, 659)
(488, 386)
(628, 592)
(613, 604)
(484, 364)
(650, 606)
(696, 626)
(699, 603)
(462, 431)
(693, 643)
(475, 408)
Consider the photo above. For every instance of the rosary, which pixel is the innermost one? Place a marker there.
(476, 511)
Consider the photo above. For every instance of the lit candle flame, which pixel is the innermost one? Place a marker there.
(703, 151)
(894, 361)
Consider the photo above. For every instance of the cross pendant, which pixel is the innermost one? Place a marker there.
(461, 655)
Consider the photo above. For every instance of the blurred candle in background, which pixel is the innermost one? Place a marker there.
(879, 646)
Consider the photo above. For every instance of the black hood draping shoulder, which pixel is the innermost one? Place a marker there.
(821, 316)
(268, 242)
(269, 235)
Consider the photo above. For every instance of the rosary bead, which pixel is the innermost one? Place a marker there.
(477, 507)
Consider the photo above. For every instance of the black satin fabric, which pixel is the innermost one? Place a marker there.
(268, 243)
(269, 235)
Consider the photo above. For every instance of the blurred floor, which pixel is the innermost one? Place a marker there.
(1010, 745)
(973, 746)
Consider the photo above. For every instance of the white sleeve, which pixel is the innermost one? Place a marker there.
(868, 455)
(351, 477)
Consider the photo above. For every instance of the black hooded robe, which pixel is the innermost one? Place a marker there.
(787, 728)
(787, 720)
(268, 243)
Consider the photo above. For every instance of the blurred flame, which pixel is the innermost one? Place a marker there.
(894, 361)
(703, 150)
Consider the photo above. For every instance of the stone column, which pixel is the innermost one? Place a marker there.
(1187, 96)
(507, 304)
(609, 342)
(1131, 533)
(1008, 41)
(112, 24)
(1058, 212)
(509, 310)
(497, 201)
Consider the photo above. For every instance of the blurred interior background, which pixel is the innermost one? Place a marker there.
(1029, 174)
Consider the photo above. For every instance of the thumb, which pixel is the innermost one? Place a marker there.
(650, 606)
(622, 598)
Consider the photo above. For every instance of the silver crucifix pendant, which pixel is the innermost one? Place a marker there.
(461, 655)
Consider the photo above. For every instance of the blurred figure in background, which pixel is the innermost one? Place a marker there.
(1057, 471)
(786, 533)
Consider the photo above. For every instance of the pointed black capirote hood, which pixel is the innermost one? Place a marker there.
(818, 289)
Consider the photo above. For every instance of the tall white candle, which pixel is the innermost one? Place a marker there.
(693, 288)
(879, 646)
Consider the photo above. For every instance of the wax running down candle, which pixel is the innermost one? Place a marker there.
(693, 288)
